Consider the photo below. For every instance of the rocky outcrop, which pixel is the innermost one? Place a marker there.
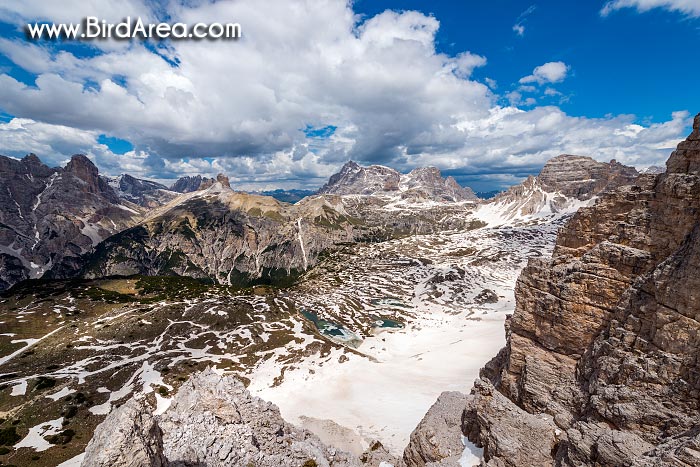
(145, 193)
(437, 438)
(565, 184)
(214, 421)
(582, 177)
(425, 183)
(189, 184)
(53, 215)
(601, 365)
(515, 438)
(86, 172)
(130, 437)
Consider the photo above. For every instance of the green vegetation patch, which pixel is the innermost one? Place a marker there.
(9, 436)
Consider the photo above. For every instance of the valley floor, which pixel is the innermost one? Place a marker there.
(383, 394)
(358, 350)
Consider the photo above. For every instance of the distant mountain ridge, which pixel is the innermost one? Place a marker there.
(146, 193)
(423, 182)
(564, 184)
(52, 219)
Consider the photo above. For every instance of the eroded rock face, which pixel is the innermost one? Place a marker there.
(603, 342)
(212, 421)
(563, 184)
(353, 179)
(130, 437)
(145, 193)
(226, 236)
(50, 215)
(421, 183)
(189, 184)
(437, 438)
(582, 177)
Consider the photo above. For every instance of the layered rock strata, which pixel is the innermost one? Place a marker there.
(601, 365)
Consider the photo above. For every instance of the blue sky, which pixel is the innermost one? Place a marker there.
(486, 91)
(645, 64)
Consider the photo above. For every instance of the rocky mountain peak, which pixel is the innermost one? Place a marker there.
(429, 171)
(189, 184)
(582, 177)
(31, 159)
(30, 164)
(350, 166)
(420, 183)
(686, 158)
(223, 179)
(354, 179)
(84, 169)
(146, 193)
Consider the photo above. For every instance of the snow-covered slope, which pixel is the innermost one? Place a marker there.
(528, 203)
(565, 184)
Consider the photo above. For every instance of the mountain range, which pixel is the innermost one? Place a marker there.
(383, 288)
(65, 222)
(600, 366)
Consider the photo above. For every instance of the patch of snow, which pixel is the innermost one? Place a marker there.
(439, 352)
(19, 389)
(76, 461)
(29, 342)
(62, 393)
(35, 437)
(472, 455)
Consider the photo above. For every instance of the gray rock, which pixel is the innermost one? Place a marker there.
(189, 184)
(377, 454)
(52, 215)
(214, 421)
(129, 437)
(145, 193)
(439, 435)
(420, 184)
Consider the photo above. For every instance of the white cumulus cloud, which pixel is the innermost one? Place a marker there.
(245, 107)
(550, 72)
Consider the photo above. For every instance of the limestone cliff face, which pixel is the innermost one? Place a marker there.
(563, 184)
(601, 366)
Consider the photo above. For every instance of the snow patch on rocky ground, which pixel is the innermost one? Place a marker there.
(383, 390)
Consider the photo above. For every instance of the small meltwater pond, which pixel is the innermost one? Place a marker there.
(332, 330)
(386, 323)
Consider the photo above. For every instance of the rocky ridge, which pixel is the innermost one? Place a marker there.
(214, 421)
(601, 364)
(189, 184)
(421, 183)
(53, 215)
(565, 184)
(145, 193)
(225, 236)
